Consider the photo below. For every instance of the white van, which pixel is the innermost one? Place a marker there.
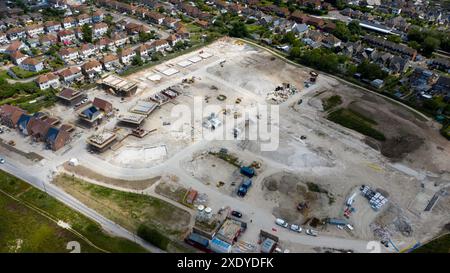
(350, 227)
(281, 222)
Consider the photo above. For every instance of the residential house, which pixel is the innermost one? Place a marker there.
(103, 105)
(160, 45)
(330, 41)
(300, 29)
(99, 29)
(97, 16)
(84, 19)
(155, 17)
(110, 61)
(66, 36)
(16, 33)
(169, 22)
(442, 86)
(69, 22)
(127, 55)
(143, 50)
(69, 96)
(23, 124)
(71, 74)
(48, 40)
(56, 138)
(48, 80)
(105, 44)
(10, 115)
(202, 23)
(34, 30)
(91, 68)
(173, 39)
(68, 53)
(52, 26)
(18, 57)
(119, 39)
(87, 50)
(15, 46)
(78, 33)
(398, 64)
(3, 38)
(32, 64)
(391, 46)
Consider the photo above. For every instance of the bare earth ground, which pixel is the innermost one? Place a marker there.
(410, 166)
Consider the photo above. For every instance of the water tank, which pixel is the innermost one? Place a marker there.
(208, 212)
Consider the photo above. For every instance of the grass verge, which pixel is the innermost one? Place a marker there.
(30, 218)
(130, 210)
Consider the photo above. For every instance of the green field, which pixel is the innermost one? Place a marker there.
(357, 122)
(439, 245)
(28, 219)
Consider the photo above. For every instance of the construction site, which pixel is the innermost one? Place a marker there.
(325, 179)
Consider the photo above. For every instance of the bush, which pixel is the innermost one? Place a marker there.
(153, 236)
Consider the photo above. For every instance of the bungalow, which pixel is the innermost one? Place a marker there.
(160, 45)
(35, 30)
(71, 74)
(48, 80)
(69, 96)
(99, 29)
(52, 26)
(91, 115)
(84, 19)
(91, 68)
(10, 115)
(127, 55)
(18, 57)
(16, 33)
(68, 53)
(110, 61)
(69, 22)
(32, 64)
(66, 36)
(155, 17)
(97, 16)
(87, 50)
(56, 138)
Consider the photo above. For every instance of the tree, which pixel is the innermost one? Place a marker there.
(87, 33)
(354, 27)
(137, 61)
(239, 29)
(342, 32)
(394, 38)
(371, 71)
(295, 53)
(429, 45)
(414, 45)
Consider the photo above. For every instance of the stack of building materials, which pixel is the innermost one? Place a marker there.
(376, 199)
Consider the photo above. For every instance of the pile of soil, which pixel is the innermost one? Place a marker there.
(397, 147)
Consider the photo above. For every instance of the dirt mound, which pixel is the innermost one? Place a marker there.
(397, 147)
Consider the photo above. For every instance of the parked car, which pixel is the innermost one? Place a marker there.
(2, 160)
(296, 228)
(312, 232)
(282, 223)
(236, 213)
